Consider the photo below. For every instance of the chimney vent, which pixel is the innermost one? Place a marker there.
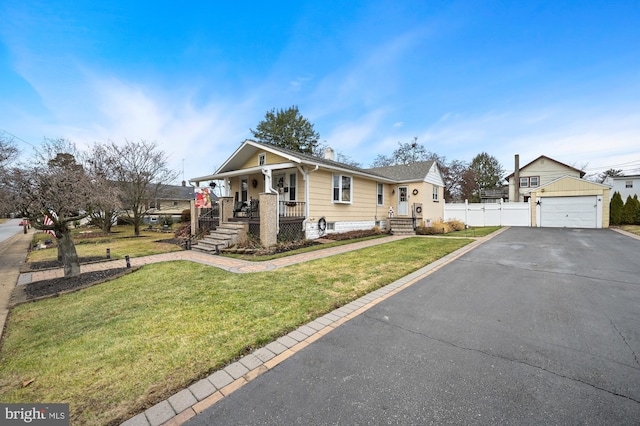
(328, 154)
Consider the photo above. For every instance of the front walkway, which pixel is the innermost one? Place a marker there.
(226, 263)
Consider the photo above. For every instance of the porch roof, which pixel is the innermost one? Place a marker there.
(231, 167)
(241, 172)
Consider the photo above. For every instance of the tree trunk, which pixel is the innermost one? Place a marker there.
(69, 255)
(106, 225)
(136, 225)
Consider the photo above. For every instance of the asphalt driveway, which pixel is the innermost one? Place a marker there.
(536, 326)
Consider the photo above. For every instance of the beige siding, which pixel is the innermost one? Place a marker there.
(362, 207)
(432, 210)
(546, 170)
(572, 188)
(167, 207)
(271, 159)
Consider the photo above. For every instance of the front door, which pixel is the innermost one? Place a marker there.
(403, 201)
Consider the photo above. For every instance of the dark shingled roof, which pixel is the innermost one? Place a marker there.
(404, 172)
(176, 192)
(319, 160)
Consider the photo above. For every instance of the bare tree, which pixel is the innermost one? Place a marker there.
(407, 153)
(140, 173)
(609, 173)
(100, 166)
(8, 154)
(54, 193)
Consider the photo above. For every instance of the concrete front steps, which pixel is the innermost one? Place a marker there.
(224, 236)
(402, 226)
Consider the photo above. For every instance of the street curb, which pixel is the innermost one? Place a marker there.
(626, 233)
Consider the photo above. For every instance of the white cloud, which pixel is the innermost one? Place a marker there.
(204, 136)
(356, 134)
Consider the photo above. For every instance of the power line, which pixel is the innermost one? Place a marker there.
(16, 137)
(635, 163)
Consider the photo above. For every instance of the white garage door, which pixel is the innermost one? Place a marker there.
(568, 212)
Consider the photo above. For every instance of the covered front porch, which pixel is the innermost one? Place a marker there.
(265, 218)
(271, 201)
(290, 219)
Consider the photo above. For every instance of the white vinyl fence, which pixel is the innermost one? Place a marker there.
(489, 214)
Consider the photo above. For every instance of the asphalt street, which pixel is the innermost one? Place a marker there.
(536, 326)
(13, 251)
(9, 229)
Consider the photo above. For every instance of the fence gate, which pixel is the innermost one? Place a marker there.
(489, 214)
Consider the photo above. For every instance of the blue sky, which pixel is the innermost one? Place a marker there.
(555, 78)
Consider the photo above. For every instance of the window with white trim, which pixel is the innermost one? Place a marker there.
(380, 195)
(530, 182)
(262, 159)
(628, 184)
(341, 189)
(435, 193)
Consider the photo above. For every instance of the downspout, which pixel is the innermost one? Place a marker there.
(305, 176)
(268, 182)
(516, 179)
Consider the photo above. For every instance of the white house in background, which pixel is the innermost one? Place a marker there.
(625, 185)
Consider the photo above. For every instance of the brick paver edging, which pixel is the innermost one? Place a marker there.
(201, 395)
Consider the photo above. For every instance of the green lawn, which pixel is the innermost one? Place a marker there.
(634, 229)
(473, 232)
(122, 241)
(117, 348)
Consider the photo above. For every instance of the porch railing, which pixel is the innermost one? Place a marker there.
(209, 219)
(292, 208)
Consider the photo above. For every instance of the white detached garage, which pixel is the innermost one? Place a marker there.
(570, 202)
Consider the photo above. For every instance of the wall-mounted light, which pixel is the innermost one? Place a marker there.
(538, 203)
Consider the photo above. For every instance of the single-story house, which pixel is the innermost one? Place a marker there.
(626, 186)
(320, 195)
(168, 200)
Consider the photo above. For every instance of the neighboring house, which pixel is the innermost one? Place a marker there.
(535, 174)
(625, 185)
(320, 195)
(170, 200)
